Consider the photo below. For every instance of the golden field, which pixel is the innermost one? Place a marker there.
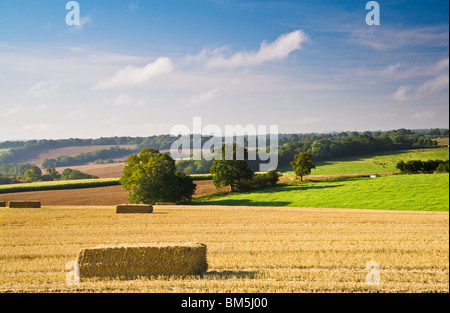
(250, 249)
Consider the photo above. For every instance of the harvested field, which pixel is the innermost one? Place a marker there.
(250, 249)
(112, 195)
(114, 170)
(67, 151)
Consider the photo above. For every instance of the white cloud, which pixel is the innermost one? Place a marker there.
(402, 93)
(278, 50)
(41, 127)
(433, 85)
(309, 120)
(43, 89)
(408, 92)
(388, 38)
(203, 97)
(12, 111)
(425, 115)
(135, 76)
(126, 100)
(133, 5)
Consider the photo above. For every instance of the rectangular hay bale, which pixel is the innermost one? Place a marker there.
(146, 260)
(25, 204)
(2, 204)
(134, 208)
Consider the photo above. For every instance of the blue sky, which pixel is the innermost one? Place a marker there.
(137, 68)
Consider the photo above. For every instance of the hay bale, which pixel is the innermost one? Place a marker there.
(134, 208)
(2, 204)
(128, 262)
(25, 204)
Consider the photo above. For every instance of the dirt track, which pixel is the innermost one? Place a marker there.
(113, 195)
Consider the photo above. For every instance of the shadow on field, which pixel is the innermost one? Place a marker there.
(262, 193)
(231, 274)
(230, 202)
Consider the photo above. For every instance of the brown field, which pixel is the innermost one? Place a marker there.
(113, 195)
(67, 151)
(114, 170)
(250, 249)
(443, 141)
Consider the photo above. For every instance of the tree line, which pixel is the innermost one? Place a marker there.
(321, 146)
(28, 173)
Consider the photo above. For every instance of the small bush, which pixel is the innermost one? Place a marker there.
(258, 181)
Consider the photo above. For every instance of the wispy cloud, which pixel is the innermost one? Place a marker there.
(135, 76)
(203, 97)
(309, 120)
(134, 5)
(43, 89)
(388, 38)
(275, 51)
(84, 20)
(425, 115)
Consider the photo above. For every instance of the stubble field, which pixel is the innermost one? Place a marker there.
(250, 249)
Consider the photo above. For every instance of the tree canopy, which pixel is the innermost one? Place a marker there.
(151, 177)
(230, 172)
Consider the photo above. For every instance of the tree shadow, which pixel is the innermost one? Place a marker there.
(231, 274)
(264, 191)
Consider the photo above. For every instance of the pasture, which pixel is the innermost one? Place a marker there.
(422, 192)
(381, 162)
(250, 249)
(3, 151)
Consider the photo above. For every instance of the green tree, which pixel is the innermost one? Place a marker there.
(151, 177)
(231, 172)
(303, 164)
(33, 174)
(51, 175)
(70, 174)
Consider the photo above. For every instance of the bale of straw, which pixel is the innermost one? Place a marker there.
(25, 204)
(2, 204)
(146, 260)
(134, 208)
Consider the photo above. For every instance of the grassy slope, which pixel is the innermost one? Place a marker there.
(3, 151)
(383, 162)
(399, 192)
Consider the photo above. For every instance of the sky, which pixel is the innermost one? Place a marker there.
(138, 68)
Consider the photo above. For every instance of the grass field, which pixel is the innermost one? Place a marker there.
(383, 162)
(3, 151)
(249, 249)
(398, 192)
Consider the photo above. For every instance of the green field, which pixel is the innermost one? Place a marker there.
(399, 192)
(59, 185)
(3, 151)
(382, 162)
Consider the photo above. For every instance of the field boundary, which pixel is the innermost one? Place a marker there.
(17, 188)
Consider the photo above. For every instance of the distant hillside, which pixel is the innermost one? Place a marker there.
(38, 157)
